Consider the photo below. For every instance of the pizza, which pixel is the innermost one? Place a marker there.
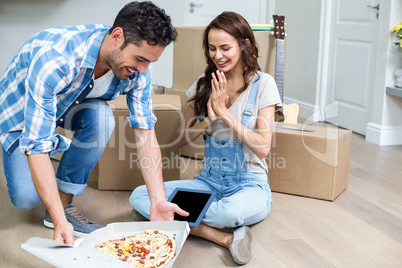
(149, 248)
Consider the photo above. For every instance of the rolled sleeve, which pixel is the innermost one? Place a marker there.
(139, 103)
(53, 145)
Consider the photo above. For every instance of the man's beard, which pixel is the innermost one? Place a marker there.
(111, 61)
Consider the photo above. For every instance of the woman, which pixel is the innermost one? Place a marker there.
(235, 105)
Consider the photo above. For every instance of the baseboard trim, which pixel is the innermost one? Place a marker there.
(384, 135)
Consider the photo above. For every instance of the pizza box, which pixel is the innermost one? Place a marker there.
(85, 254)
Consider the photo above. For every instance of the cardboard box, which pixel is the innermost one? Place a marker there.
(189, 168)
(182, 95)
(188, 57)
(194, 150)
(158, 90)
(310, 161)
(86, 254)
(119, 164)
(189, 60)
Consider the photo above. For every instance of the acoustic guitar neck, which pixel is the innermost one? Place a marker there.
(279, 34)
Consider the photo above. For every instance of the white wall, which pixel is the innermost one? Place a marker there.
(302, 20)
(385, 127)
(392, 105)
(21, 19)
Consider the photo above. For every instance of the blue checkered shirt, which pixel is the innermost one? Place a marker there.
(48, 77)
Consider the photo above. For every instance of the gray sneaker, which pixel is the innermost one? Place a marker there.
(81, 225)
(240, 247)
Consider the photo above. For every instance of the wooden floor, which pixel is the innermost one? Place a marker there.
(361, 228)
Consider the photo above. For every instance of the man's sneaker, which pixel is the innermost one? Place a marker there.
(81, 225)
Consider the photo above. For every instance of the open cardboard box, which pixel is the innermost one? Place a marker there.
(86, 254)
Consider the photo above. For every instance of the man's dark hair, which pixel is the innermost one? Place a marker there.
(144, 21)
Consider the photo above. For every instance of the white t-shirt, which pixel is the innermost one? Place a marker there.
(267, 95)
(101, 85)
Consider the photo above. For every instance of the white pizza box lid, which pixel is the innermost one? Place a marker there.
(86, 254)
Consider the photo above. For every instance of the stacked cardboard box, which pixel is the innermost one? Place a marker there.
(189, 63)
(119, 166)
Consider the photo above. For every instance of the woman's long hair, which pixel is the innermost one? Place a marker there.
(235, 25)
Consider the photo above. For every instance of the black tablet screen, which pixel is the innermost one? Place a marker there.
(192, 202)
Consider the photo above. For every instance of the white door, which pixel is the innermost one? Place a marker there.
(202, 12)
(351, 65)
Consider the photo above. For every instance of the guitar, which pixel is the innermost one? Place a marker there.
(289, 113)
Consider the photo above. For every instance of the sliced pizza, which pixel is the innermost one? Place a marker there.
(150, 248)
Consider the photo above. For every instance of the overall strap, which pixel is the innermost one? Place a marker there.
(251, 99)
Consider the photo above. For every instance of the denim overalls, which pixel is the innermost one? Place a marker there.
(243, 198)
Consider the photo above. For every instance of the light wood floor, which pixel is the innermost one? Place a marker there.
(361, 228)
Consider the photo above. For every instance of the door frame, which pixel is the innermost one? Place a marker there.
(323, 62)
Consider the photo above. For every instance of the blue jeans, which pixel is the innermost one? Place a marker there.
(93, 123)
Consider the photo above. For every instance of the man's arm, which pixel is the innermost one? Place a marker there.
(45, 184)
(150, 156)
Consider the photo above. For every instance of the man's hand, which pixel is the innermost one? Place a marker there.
(63, 233)
(164, 211)
(45, 183)
(161, 210)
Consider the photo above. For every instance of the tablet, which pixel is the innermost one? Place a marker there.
(195, 202)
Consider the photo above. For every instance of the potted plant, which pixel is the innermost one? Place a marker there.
(398, 32)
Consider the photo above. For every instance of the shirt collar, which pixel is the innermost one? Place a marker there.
(94, 44)
(134, 75)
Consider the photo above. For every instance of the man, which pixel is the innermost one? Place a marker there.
(62, 77)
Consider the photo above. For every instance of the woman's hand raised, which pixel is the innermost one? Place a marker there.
(211, 114)
(219, 97)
